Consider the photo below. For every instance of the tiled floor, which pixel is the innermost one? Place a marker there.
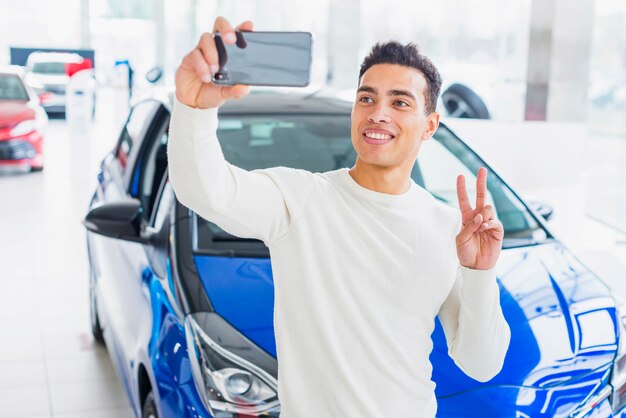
(49, 363)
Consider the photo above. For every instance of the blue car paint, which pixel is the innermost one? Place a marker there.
(135, 184)
(241, 290)
(545, 294)
(169, 359)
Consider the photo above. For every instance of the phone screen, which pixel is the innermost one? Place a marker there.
(265, 59)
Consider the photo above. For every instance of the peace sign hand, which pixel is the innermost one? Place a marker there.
(479, 242)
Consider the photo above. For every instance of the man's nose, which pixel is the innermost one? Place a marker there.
(379, 115)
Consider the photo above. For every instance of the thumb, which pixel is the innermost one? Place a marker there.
(469, 228)
(235, 92)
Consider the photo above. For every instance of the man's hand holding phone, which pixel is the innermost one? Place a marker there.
(194, 87)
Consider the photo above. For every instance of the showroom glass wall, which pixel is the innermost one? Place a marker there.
(467, 40)
(462, 38)
(607, 92)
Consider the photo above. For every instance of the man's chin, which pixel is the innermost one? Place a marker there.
(376, 163)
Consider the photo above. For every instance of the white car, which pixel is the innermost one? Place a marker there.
(46, 73)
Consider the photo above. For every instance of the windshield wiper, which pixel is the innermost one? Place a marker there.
(226, 237)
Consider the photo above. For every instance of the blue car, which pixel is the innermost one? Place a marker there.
(186, 309)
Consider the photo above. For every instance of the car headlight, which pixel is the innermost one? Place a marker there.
(228, 384)
(618, 375)
(24, 127)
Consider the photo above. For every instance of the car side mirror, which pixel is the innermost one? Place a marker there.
(120, 220)
(546, 211)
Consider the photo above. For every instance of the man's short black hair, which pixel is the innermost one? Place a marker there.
(393, 52)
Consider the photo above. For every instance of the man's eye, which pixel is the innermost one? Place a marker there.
(365, 99)
(402, 103)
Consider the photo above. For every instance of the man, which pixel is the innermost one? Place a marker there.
(363, 259)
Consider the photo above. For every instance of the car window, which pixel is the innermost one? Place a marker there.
(11, 88)
(322, 143)
(310, 142)
(163, 204)
(152, 169)
(57, 68)
(132, 132)
(439, 168)
(444, 157)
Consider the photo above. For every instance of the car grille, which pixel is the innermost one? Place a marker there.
(16, 150)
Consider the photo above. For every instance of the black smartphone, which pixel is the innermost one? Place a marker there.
(265, 59)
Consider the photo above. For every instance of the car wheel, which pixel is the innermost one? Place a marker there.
(462, 102)
(96, 329)
(149, 407)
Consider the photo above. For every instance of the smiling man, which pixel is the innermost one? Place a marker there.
(363, 259)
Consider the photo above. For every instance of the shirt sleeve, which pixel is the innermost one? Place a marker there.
(478, 336)
(250, 204)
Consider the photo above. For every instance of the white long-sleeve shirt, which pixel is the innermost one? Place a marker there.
(359, 277)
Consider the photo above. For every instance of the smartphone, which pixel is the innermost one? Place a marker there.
(265, 59)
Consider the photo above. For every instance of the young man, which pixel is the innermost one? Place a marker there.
(363, 259)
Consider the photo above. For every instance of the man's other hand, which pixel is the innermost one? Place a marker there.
(479, 242)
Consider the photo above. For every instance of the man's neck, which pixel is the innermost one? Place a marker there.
(389, 180)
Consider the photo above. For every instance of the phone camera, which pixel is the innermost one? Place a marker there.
(221, 75)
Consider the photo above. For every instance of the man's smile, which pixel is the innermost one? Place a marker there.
(377, 136)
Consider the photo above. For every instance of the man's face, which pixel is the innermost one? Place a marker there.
(388, 118)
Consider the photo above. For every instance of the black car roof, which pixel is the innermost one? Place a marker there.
(272, 102)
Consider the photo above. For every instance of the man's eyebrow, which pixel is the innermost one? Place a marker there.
(372, 90)
(401, 93)
(367, 89)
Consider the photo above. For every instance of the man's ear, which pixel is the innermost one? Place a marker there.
(432, 123)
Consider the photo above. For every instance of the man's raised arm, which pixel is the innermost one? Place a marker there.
(258, 204)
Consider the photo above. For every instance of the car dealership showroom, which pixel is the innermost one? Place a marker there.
(154, 153)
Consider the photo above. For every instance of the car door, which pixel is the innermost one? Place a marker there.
(123, 266)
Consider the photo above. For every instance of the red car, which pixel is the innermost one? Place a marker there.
(22, 122)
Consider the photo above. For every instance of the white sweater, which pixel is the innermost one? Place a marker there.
(359, 277)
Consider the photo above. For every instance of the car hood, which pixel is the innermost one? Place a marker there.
(506, 401)
(562, 317)
(14, 111)
(48, 79)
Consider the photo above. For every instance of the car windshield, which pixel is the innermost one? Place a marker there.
(11, 88)
(321, 143)
(49, 68)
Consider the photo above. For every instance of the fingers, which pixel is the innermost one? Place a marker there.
(208, 51)
(489, 221)
(481, 187)
(246, 26)
(494, 227)
(225, 29)
(487, 225)
(464, 204)
(235, 92)
(488, 213)
(469, 228)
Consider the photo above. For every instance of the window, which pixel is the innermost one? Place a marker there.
(323, 143)
(58, 68)
(311, 142)
(154, 164)
(11, 88)
(444, 157)
(163, 204)
(138, 122)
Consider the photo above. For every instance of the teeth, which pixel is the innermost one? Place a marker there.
(377, 136)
